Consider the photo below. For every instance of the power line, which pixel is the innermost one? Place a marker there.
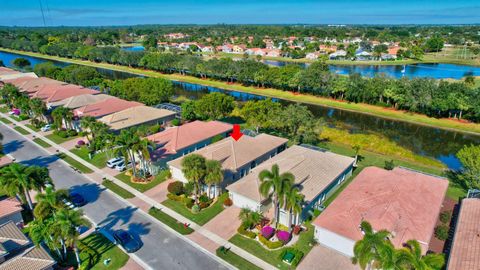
(43, 15)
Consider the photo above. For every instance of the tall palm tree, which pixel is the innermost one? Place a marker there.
(86, 123)
(62, 115)
(366, 251)
(49, 202)
(18, 179)
(126, 143)
(193, 167)
(37, 108)
(293, 202)
(42, 231)
(68, 220)
(143, 151)
(431, 261)
(213, 175)
(273, 184)
(393, 259)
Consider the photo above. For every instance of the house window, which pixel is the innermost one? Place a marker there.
(253, 164)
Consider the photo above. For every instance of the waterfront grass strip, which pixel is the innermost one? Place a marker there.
(201, 218)
(21, 130)
(170, 221)
(118, 189)
(41, 142)
(235, 260)
(74, 163)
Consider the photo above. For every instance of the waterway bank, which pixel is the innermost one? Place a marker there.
(387, 113)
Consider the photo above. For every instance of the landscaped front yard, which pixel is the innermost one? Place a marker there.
(159, 178)
(201, 217)
(96, 248)
(58, 140)
(99, 159)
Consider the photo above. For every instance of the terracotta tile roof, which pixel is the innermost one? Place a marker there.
(53, 93)
(34, 258)
(404, 202)
(80, 100)
(11, 238)
(31, 85)
(105, 107)
(465, 250)
(176, 138)
(235, 154)
(135, 116)
(9, 206)
(5, 160)
(5, 71)
(313, 170)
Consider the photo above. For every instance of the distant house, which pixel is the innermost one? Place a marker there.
(237, 157)
(326, 49)
(405, 202)
(313, 55)
(204, 48)
(80, 101)
(317, 173)
(466, 240)
(361, 55)
(239, 48)
(175, 35)
(226, 48)
(9, 74)
(11, 210)
(135, 116)
(338, 55)
(17, 252)
(178, 141)
(31, 85)
(53, 93)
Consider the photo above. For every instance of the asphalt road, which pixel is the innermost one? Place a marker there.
(161, 249)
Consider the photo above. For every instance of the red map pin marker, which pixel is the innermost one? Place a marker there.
(236, 133)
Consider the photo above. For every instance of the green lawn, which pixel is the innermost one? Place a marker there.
(58, 140)
(162, 176)
(75, 163)
(273, 256)
(170, 221)
(21, 130)
(41, 142)
(201, 218)
(4, 109)
(118, 189)
(236, 260)
(32, 127)
(99, 160)
(5, 120)
(95, 249)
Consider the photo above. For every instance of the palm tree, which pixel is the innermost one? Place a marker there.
(42, 231)
(356, 148)
(126, 143)
(87, 123)
(68, 220)
(213, 175)
(293, 202)
(193, 167)
(62, 115)
(249, 218)
(18, 179)
(142, 148)
(37, 108)
(367, 250)
(273, 184)
(49, 202)
(393, 259)
(431, 261)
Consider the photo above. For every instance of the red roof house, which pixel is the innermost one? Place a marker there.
(105, 107)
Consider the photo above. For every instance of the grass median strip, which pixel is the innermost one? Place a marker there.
(118, 189)
(204, 216)
(41, 142)
(59, 140)
(21, 130)
(74, 163)
(235, 260)
(5, 120)
(170, 221)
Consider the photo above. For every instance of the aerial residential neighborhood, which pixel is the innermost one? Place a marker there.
(254, 135)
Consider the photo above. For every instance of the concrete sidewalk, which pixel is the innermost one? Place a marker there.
(143, 200)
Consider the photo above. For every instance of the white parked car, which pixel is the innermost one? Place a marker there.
(46, 128)
(111, 163)
(122, 167)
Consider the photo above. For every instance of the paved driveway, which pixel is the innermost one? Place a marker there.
(226, 223)
(161, 248)
(323, 258)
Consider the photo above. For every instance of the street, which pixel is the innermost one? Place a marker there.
(161, 249)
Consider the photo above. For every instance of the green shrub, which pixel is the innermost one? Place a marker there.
(298, 255)
(269, 244)
(441, 232)
(389, 165)
(196, 209)
(62, 134)
(174, 197)
(72, 133)
(188, 188)
(175, 188)
(445, 216)
(23, 117)
(175, 122)
(188, 202)
(217, 138)
(154, 129)
(241, 230)
(203, 198)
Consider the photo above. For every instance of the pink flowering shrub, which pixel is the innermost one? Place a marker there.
(81, 142)
(283, 236)
(268, 232)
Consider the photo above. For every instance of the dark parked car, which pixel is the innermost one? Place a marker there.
(77, 200)
(127, 241)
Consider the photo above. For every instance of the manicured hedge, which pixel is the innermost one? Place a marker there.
(241, 230)
(269, 244)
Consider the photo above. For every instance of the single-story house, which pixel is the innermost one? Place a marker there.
(237, 157)
(18, 252)
(178, 141)
(363, 55)
(9, 74)
(464, 254)
(80, 101)
(313, 55)
(30, 85)
(11, 210)
(338, 55)
(405, 202)
(53, 93)
(317, 174)
(239, 48)
(105, 107)
(138, 115)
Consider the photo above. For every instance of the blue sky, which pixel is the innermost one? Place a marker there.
(123, 12)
